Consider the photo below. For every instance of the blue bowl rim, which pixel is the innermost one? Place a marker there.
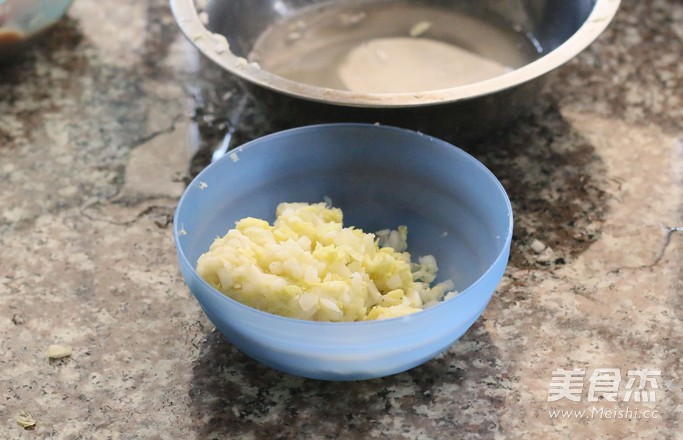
(503, 254)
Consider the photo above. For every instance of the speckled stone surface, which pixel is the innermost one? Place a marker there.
(99, 129)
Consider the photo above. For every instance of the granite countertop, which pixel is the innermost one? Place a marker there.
(104, 122)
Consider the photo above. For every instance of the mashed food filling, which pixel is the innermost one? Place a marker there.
(307, 265)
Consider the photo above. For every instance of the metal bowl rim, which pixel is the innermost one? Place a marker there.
(191, 26)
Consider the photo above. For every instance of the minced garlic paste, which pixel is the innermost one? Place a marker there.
(307, 265)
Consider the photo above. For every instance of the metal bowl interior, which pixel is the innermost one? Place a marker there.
(560, 28)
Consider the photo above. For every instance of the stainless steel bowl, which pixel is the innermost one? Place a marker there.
(559, 28)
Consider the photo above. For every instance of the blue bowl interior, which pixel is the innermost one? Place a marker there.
(381, 177)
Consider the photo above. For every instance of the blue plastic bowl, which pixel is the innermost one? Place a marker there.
(23, 21)
(381, 177)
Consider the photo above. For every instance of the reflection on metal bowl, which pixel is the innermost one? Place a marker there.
(300, 59)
